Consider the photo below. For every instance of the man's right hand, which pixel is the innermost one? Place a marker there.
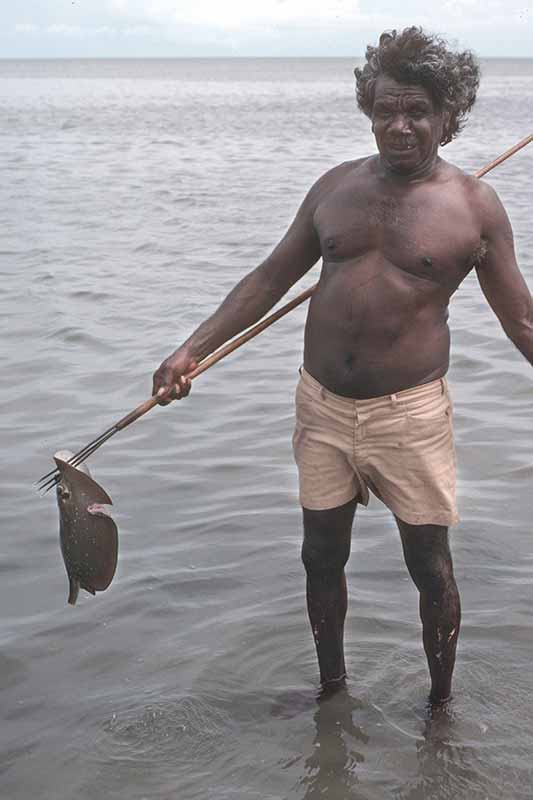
(170, 381)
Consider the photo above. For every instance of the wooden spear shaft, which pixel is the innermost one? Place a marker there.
(504, 156)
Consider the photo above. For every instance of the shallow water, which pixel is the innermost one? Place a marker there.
(135, 194)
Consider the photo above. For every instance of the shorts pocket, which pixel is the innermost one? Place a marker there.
(430, 419)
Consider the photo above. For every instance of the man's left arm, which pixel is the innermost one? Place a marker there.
(499, 276)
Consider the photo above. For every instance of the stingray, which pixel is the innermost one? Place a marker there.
(88, 535)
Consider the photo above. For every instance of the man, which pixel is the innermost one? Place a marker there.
(397, 232)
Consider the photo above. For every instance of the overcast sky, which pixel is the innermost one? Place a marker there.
(43, 28)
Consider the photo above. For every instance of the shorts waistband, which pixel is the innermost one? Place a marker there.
(434, 388)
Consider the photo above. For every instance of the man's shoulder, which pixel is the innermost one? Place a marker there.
(478, 190)
(343, 169)
(480, 195)
(454, 174)
(335, 176)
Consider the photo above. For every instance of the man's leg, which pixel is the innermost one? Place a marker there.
(428, 558)
(325, 551)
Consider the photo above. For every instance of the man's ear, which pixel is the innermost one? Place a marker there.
(446, 123)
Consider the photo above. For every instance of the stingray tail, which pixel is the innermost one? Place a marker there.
(74, 588)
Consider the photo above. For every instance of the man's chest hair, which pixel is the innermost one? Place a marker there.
(431, 233)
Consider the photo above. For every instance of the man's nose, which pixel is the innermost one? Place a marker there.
(401, 123)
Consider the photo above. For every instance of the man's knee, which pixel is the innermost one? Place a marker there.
(323, 556)
(427, 555)
(435, 577)
(327, 538)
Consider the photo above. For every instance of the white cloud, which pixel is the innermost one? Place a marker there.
(86, 31)
(138, 30)
(104, 30)
(64, 30)
(236, 14)
(25, 27)
(236, 21)
(273, 27)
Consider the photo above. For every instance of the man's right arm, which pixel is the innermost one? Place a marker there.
(250, 299)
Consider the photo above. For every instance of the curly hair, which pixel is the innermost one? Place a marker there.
(414, 57)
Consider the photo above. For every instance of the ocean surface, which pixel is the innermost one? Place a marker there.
(134, 194)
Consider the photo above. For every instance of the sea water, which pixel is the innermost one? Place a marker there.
(134, 195)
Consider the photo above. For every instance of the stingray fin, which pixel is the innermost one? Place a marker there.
(84, 482)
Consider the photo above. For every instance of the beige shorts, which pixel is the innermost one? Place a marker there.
(399, 446)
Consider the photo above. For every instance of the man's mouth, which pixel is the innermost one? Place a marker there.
(402, 146)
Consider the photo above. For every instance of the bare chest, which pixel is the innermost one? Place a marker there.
(430, 235)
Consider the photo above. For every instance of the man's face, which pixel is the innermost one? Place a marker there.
(407, 125)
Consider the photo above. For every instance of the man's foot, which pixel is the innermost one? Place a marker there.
(331, 687)
(438, 703)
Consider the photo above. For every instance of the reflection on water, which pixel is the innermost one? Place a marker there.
(331, 769)
(448, 767)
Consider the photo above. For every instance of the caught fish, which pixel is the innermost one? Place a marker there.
(88, 535)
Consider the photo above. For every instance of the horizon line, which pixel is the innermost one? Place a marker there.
(225, 57)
